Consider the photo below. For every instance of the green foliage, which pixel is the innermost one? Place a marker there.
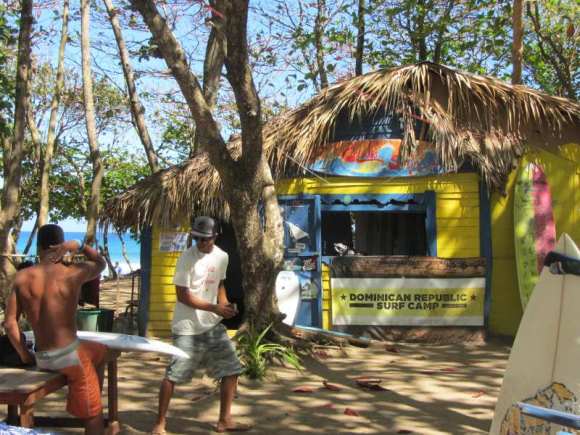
(472, 35)
(257, 355)
(552, 46)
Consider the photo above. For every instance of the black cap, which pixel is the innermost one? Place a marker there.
(205, 227)
(49, 235)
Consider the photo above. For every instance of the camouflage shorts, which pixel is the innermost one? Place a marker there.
(212, 350)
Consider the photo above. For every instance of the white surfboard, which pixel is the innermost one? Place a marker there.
(544, 364)
(288, 294)
(125, 342)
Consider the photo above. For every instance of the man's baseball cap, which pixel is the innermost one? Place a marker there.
(204, 227)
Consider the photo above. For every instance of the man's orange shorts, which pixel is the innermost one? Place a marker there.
(78, 365)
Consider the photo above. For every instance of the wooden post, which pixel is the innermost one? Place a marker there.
(12, 417)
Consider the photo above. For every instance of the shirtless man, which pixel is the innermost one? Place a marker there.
(47, 294)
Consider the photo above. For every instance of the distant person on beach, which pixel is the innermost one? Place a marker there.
(47, 294)
(118, 269)
(201, 305)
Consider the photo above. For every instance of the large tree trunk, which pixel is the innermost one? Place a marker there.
(46, 161)
(360, 38)
(13, 150)
(517, 42)
(246, 180)
(137, 109)
(212, 67)
(95, 199)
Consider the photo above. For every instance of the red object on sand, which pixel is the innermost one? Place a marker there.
(331, 387)
(350, 411)
(303, 390)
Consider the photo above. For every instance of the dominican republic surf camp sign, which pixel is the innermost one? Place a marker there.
(408, 301)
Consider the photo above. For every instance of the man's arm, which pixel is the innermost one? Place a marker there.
(89, 269)
(187, 298)
(222, 294)
(12, 315)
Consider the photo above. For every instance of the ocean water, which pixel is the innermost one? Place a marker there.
(132, 247)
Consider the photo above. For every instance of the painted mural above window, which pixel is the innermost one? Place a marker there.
(375, 158)
(370, 147)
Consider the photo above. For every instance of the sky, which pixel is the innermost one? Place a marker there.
(68, 225)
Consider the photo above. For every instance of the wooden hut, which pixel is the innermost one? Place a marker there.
(397, 187)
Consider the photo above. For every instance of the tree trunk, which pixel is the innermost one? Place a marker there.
(13, 152)
(124, 251)
(106, 254)
(247, 180)
(517, 43)
(360, 39)
(212, 68)
(137, 109)
(95, 198)
(46, 161)
(319, 24)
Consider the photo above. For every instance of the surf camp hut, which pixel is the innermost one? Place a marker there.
(396, 189)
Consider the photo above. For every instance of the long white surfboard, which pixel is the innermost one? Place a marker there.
(544, 364)
(125, 342)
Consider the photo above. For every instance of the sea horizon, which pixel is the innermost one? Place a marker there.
(132, 247)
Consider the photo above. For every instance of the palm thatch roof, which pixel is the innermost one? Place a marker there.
(475, 119)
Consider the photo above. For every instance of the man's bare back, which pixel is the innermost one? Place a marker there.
(47, 294)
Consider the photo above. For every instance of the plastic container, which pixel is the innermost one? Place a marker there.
(105, 322)
(88, 319)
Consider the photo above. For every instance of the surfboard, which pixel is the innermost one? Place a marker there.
(543, 364)
(534, 228)
(288, 295)
(125, 342)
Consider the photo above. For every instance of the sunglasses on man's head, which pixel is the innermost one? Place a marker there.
(202, 239)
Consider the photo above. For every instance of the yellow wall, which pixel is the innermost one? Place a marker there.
(563, 174)
(162, 291)
(457, 211)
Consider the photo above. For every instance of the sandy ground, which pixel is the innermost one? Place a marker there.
(428, 389)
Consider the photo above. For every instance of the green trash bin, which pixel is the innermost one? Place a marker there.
(88, 319)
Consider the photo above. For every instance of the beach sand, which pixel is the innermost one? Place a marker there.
(429, 389)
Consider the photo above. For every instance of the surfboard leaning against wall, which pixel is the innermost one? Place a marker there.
(534, 227)
(543, 365)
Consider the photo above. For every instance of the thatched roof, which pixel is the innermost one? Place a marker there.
(475, 119)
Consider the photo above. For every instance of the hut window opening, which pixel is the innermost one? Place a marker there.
(374, 233)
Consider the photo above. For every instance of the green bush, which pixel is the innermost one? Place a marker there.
(257, 356)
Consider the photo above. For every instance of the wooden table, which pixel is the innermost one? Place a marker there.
(20, 389)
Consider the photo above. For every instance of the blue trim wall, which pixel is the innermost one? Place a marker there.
(146, 251)
(431, 222)
(485, 246)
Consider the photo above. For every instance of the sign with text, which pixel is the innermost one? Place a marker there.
(172, 242)
(408, 301)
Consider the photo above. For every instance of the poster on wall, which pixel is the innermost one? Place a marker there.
(408, 301)
(172, 242)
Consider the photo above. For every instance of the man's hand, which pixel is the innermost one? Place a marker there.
(225, 311)
(56, 252)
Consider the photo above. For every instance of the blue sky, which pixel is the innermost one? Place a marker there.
(68, 225)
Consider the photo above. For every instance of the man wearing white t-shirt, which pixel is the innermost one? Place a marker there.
(201, 305)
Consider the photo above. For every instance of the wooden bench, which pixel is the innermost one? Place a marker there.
(20, 389)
